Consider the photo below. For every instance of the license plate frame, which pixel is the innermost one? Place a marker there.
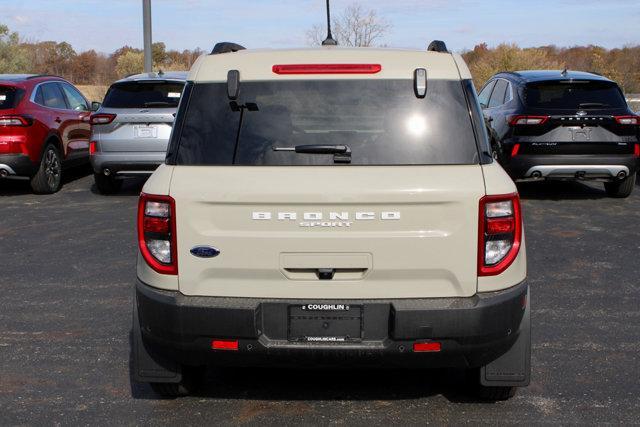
(145, 132)
(325, 323)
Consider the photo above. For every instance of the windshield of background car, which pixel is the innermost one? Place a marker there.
(381, 121)
(9, 97)
(154, 94)
(574, 95)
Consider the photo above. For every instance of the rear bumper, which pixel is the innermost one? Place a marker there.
(472, 331)
(565, 166)
(16, 165)
(127, 163)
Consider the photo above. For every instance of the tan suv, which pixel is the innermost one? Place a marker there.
(331, 206)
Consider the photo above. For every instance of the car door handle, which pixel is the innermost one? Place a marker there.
(58, 120)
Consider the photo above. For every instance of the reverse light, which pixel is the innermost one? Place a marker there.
(157, 233)
(22, 121)
(499, 233)
(327, 69)
(528, 120)
(102, 119)
(627, 120)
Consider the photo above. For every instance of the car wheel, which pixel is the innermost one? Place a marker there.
(48, 179)
(621, 188)
(107, 184)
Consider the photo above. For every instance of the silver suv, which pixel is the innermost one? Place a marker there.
(131, 129)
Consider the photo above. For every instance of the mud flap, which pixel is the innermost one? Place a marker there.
(148, 367)
(512, 369)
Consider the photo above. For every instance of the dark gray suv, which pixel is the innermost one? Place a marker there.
(131, 129)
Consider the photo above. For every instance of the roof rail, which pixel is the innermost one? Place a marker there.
(226, 47)
(37, 76)
(438, 46)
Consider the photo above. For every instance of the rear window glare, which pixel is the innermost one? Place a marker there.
(144, 95)
(10, 97)
(381, 121)
(564, 94)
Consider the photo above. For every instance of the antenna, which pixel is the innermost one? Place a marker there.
(329, 41)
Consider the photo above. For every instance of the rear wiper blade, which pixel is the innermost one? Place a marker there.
(341, 153)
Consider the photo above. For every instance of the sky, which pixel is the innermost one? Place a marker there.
(106, 25)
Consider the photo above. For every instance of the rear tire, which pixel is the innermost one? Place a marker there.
(107, 184)
(621, 188)
(48, 179)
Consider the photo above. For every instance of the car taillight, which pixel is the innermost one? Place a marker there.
(327, 69)
(102, 119)
(636, 150)
(515, 149)
(157, 233)
(92, 147)
(527, 120)
(21, 121)
(627, 120)
(499, 233)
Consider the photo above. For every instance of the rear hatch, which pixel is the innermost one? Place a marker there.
(397, 219)
(144, 112)
(580, 117)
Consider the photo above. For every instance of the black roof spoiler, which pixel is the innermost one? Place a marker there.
(226, 47)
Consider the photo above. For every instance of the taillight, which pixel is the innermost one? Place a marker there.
(636, 150)
(157, 233)
(92, 147)
(102, 119)
(21, 121)
(327, 69)
(627, 120)
(499, 233)
(527, 120)
(515, 149)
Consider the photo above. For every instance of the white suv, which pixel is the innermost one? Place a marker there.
(331, 206)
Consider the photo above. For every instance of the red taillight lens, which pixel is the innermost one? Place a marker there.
(157, 233)
(426, 347)
(102, 119)
(499, 233)
(21, 121)
(92, 147)
(515, 149)
(327, 69)
(636, 150)
(224, 345)
(627, 120)
(528, 120)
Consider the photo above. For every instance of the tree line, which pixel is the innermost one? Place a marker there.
(356, 26)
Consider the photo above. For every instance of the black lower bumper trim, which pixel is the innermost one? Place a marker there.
(20, 164)
(472, 331)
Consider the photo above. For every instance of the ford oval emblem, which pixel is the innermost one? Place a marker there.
(205, 252)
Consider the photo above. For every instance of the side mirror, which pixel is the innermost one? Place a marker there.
(95, 106)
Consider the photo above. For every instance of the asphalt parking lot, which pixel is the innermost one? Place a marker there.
(68, 265)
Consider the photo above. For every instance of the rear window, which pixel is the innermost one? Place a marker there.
(382, 122)
(10, 97)
(574, 95)
(144, 95)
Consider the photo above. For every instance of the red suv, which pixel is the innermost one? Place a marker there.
(44, 127)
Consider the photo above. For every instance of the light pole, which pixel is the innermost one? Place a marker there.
(146, 18)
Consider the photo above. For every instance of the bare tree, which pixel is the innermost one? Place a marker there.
(355, 26)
